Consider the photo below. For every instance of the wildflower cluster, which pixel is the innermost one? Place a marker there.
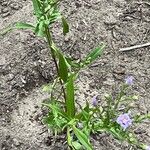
(118, 123)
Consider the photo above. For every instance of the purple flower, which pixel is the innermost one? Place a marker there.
(129, 80)
(124, 120)
(147, 148)
(94, 101)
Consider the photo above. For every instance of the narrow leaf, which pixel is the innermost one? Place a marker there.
(69, 138)
(40, 29)
(18, 25)
(21, 25)
(47, 88)
(93, 55)
(63, 68)
(82, 138)
(70, 102)
(95, 52)
(72, 62)
(65, 26)
(54, 17)
(116, 134)
(58, 110)
(37, 9)
(76, 145)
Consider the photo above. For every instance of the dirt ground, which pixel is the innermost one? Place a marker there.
(25, 66)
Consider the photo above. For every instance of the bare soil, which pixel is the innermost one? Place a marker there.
(25, 66)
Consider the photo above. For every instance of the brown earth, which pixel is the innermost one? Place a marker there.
(25, 66)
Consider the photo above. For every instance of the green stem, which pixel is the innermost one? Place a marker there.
(108, 112)
(120, 96)
(49, 40)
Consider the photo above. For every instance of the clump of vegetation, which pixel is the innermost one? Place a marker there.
(63, 116)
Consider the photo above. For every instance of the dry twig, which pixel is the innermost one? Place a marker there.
(134, 47)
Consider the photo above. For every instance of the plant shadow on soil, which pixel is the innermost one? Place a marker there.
(25, 66)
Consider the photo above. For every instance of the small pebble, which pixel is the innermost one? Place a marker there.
(15, 6)
(78, 4)
(16, 142)
(67, 38)
(5, 14)
(36, 106)
(139, 131)
(5, 10)
(23, 80)
(4, 3)
(10, 76)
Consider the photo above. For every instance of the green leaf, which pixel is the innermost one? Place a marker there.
(40, 29)
(55, 121)
(69, 138)
(47, 88)
(54, 3)
(63, 68)
(70, 102)
(140, 118)
(87, 107)
(18, 25)
(58, 110)
(77, 145)
(49, 120)
(73, 63)
(93, 55)
(65, 26)
(54, 17)
(50, 86)
(52, 14)
(82, 138)
(116, 133)
(37, 8)
(72, 122)
(21, 25)
(132, 138)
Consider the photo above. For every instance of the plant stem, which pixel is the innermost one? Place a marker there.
(49, 40)
(118, 99)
